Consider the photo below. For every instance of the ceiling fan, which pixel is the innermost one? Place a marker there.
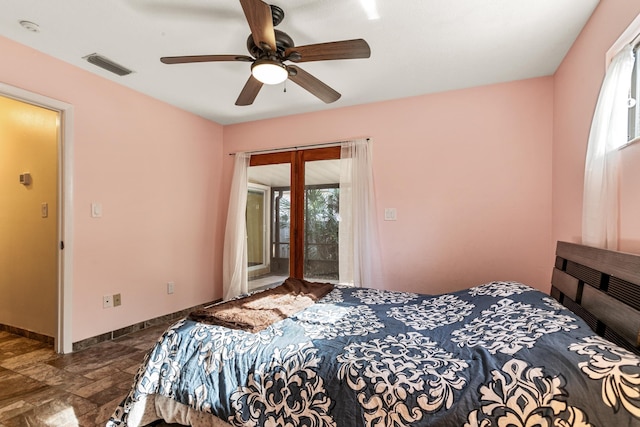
(270, 48)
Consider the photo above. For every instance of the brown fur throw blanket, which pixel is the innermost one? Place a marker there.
(255, 312)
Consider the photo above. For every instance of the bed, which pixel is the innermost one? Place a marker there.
(497, 354)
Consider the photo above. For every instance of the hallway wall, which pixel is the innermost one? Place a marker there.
(28, 242)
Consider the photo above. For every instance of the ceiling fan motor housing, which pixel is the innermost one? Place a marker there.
(283, 42)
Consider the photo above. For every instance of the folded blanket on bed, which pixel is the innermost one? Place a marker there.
(257, 311)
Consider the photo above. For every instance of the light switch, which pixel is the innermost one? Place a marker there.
(96, 210)
(44, 210)
(25, 179)
(390, 214)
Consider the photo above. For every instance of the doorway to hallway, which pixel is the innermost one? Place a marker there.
(37, 223)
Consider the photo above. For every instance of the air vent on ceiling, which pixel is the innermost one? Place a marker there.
(107, 64)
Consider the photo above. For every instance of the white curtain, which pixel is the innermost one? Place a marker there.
(358, 233)
(608, 133)
(234, 263)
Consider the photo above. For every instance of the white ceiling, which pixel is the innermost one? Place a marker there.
(417, 46)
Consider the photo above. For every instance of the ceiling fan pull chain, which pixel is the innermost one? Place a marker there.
(285, 86)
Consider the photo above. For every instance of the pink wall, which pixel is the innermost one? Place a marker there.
(468, 171)
(156, 170)
(576, 87)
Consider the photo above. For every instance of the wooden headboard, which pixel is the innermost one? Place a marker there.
(602, 287)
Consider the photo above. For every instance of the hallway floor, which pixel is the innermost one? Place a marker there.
(41, 388)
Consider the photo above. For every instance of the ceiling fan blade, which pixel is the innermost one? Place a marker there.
(312, 84)
(204, 58)
(249, 91)
(346, 49)
(258, 14)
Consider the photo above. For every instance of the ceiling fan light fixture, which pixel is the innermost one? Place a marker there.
(269, 71)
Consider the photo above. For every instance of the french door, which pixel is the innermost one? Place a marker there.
(302, 231)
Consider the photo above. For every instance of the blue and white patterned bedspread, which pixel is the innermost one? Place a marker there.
(500, 354)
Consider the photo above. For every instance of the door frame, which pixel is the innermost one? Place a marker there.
(266, 224)
(63, 339)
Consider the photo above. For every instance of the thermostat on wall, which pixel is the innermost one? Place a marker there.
(25, 178)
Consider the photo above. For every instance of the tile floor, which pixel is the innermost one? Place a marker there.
(41, 388)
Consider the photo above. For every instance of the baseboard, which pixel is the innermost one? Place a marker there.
(108, 336)
(27, 334)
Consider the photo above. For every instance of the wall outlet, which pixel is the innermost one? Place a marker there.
(117, 300)
(107, 301)
(96, 210)
(390, 214)
(170, 287)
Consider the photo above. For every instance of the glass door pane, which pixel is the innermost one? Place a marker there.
(281, 235)
(321, 220)
(268, 224)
